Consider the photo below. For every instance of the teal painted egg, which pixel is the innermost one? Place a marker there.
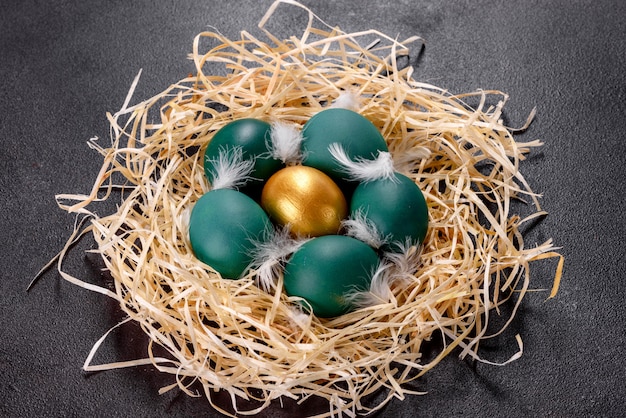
(326, 268)
(223, 226)
(355, 133)
(397, 209)
(253, 136)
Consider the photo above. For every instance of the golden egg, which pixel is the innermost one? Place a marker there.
(306, 199)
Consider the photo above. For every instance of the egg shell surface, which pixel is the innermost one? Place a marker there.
(253, 137)
(355, 133)
(223, 228)
(397, 208)
(325, 269)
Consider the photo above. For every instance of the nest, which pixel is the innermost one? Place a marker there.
(232, 336)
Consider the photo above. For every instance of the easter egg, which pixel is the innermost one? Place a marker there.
(396, 207)
(325, 269)
(355, 133)
(306, 199)
(223, 228)
(253, 137)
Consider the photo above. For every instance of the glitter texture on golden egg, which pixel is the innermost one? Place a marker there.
(306, 199)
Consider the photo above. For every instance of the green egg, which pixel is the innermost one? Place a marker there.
(223, 226)
(397, 209)
(326, 268)
(355, 133)
(253, 136)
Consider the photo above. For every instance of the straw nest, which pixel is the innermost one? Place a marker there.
(230, 335)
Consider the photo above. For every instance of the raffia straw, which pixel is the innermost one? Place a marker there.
(232, 336)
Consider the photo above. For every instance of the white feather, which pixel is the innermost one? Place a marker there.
(269, 257)
(231, 170)
(395, 269)
(347, 100)
(299, 318)
(378, 293)
(359, 227)
(363, 169)
(405, 260)
(285, 142)
(406, 160)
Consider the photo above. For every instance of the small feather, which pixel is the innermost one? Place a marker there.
(394, 270)
(379, 292)
(269, 257)
(285, 142)
(404, 261)
(347, 100)
(362, 169)
(408, 159)
(359, 227)
(231, 170)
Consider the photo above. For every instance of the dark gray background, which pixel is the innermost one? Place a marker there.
(63, 64)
